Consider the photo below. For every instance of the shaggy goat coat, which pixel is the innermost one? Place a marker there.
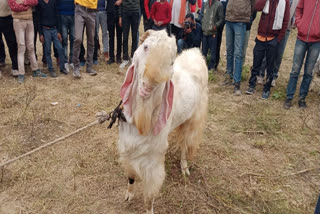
(160, 94)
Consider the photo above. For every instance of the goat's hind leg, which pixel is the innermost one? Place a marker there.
(130, 191)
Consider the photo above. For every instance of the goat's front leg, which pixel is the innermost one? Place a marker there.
(130, 191)
(184, 162)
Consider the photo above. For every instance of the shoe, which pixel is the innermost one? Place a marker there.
(20, 79)
(302, 103)
(66, 67)
(124, 64)
(95, 62)
(76, 73)
(273, 83)
(227, 81)
(259, 80)
(106, 56)
(64, 71)
(38, 73)
(250, 91)
(2, 64)
(237, 90)
(265, 95)
(110, 61)
(71, 66)
(91, 72)
(14, 73)
(83, 63)
(287, 104)
(52, 74)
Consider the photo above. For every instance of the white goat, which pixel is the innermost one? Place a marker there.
(160, 94)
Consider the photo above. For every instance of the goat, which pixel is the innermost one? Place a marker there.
(160, 93)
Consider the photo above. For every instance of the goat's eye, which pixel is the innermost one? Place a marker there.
(145, 47)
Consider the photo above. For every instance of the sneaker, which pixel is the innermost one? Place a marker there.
(124, 64)
(227, 81)
(287, 104)
(273, 83)
(66, 67)
(83, 63)
(91, 72)
(38, 73)
(14, 73)
(64, 71)
(265, 95)
(95, 62)
(110, 61)
(237, 90)
(106, 56)
(250, 91)
(71, 66)
(259, 80)
(76, 73)
(53, 74)
(302, 103)
(20, 79)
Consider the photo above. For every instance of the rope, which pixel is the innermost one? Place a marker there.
(48, 144)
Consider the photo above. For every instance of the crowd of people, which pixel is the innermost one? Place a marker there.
(62, 23)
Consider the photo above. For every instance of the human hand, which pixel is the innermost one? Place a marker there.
(59, 37)
(160, 23)
(120, 22)
(187, 31)
(118, 2)
(41, 38)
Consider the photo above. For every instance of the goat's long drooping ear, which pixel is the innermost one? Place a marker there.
(165, 109)
(145, 35)
(126, 91)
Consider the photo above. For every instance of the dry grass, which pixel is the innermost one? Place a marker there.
(249, 147)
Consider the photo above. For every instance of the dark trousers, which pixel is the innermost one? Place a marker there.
(6, 28)
(113, 26)
(2, 51)
(317, 211)
(262, 49)
(219, 41)
(130, 19)
(175, 31)
(210, 42)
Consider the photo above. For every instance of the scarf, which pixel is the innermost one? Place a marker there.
(278, 19)
(182, 10)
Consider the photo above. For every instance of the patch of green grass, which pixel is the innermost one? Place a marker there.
(245, 72)
(278, 95)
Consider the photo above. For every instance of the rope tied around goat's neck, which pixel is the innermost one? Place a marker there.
(102, 116)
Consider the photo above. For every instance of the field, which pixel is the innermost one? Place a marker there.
(255, 156)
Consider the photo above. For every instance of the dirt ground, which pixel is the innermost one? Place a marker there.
(255, 156)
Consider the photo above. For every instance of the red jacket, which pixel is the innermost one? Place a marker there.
(15, 7)
(161, 12)
(194, 7)
(308, 20)
(266, 20)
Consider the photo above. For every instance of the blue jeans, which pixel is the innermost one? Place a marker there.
(301, 49)
(317, 211)
(210, 42)
(181, 45)
(235, 35)
(50, 35)
(67, 29)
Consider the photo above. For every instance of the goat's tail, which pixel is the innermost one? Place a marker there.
(189, 134)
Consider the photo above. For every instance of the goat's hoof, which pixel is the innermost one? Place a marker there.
(149, 211)
(185, 172)
(129, 196)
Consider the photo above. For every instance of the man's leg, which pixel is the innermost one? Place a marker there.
(29, 37)
(71, 37)
(90, 30)
(59, 49)
(64, 34)
(125, 28)
(245, 45)
(78, 31)
(279, 55)
(10, 37)
(213, 48)
(312, 56)
(111, 29)
(20, 31)
(205, 46)
(2, 51)
(119, 40)
(271, 53)
(134, 30)
(180, 45)
(258, 55)
(47, 48)
(298, 57)
(239, 31)
(105, 33)
(96, 36)
(219, 41)
(230, 48)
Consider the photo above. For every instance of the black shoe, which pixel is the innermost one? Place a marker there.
(237, 90)
(110, 61)
(265, 95)
(91, 72)
(119, 61)
(250, 91)
(302, 103)
(287, 104)
(53, 74)
(64, 71)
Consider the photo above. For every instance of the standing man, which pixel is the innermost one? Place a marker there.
(129, 18)
(101, 20)
(6, 28)
(85, 15)
(66, 10)
(307, 44)
(237, 16)
(219, 33)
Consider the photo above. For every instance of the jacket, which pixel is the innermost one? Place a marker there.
(147, 7)
(308, 20)
(266, 20)
(91, 4)
(239, 10)
(194, 7)
(212, 17)
(22, 11)
(183, 7)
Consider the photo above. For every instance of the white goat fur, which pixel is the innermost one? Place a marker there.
(142, 152)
